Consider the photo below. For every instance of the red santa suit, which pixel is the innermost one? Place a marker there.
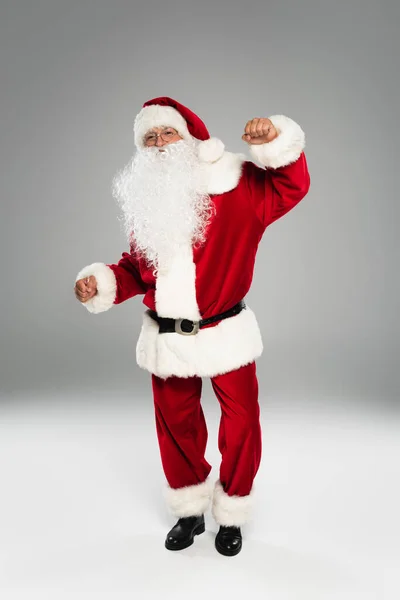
(200, 283)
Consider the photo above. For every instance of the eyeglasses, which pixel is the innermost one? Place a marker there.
(166, 135)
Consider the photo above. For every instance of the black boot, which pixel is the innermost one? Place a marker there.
(228, 540)
(182, 534)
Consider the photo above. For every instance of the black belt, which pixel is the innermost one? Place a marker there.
(188, 327)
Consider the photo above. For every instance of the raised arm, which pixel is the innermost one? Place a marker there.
(283, 180)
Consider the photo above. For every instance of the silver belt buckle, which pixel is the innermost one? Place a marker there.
(178, 327)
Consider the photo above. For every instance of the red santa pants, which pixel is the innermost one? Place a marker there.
(182, 436)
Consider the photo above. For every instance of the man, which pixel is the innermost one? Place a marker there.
(194, 215)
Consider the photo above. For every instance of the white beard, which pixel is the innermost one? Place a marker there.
(164, 201)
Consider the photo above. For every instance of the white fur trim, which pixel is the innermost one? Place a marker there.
(284, 149)
(211, 150)
(231, 510)
(158, 116)
(224, 347)
(224, 174)
(175, 294)
(106, 287)
(188, 501)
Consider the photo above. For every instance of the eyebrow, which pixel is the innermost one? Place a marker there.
(166, 127)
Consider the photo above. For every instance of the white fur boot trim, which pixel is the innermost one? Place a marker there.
(231, 510)
(189, 501)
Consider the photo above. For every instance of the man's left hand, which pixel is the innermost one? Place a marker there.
(259, 131)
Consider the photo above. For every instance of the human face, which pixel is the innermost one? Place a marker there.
(161, 136)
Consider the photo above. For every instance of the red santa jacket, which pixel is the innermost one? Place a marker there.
(208, 280)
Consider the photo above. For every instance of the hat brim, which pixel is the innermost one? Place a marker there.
(159, 116)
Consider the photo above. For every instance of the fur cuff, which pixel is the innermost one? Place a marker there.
(192, 500)
(106, 287)
(231, 510)
(284, 149)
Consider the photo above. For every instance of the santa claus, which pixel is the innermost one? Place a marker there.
(194, 215)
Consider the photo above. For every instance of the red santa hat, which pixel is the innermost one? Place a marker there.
(166, 112)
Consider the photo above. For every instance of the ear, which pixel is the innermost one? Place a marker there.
(211, 150)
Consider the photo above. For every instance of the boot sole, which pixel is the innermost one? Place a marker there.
(197, 531)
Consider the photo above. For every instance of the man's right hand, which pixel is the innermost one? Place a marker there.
(86, 288)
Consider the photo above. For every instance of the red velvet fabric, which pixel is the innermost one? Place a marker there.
(182, 430)
(224, 272)
(225, 263)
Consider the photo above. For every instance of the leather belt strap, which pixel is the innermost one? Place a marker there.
(188, 327)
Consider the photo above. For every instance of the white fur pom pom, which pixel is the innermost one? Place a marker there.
(211, 150)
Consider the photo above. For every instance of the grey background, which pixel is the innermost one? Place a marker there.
(81, 513)
(73, 76)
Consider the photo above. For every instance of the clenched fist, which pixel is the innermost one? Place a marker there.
(259, 131)
(86, 288)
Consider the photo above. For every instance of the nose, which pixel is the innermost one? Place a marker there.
(160, 141)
